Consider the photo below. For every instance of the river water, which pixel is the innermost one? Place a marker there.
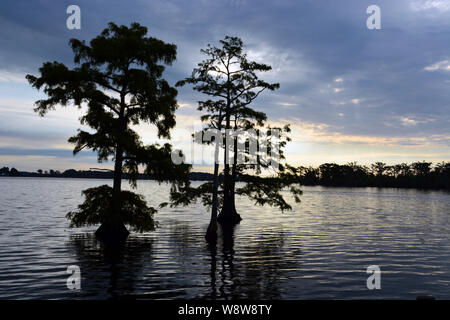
(319, 250)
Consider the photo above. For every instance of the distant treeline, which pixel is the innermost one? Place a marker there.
(92, 174)
(415, 175)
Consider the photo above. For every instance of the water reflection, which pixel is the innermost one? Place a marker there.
(227, 275)
(319, 251)
(253, 270)
(171, 266)
(212, 249)
(110, 270)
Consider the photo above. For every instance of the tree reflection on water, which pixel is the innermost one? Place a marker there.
(181, 265)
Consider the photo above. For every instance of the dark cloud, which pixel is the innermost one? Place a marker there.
(384, 89)
(60, 153)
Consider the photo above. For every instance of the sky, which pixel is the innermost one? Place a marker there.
(349, 93)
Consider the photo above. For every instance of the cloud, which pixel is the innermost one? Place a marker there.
(350, 86)
(421, 5)
(443, 65)
(65, 153)
(287, 104)
(303, 131)
(408, 121)
(6, 76)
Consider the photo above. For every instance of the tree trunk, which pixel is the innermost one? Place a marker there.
(113, 229)
(228, 214)
(233, 180)
(211, 232)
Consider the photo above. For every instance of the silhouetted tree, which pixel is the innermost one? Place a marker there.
(231, 82)
(118, 76)
(378, 168)
(417, 175)
(442, 175)
(267, 189)
(4, 171)
(421, 168)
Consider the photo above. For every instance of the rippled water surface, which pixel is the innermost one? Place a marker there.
(320, 250)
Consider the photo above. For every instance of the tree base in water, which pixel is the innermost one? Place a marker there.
(211, 233)
(229, 219)
(112, 232)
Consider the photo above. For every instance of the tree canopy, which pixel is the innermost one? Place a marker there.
(117, 77)
(231, 83)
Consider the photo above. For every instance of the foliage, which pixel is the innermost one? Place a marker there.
(268, 190)
(118, 78)
(262, 190)
(99, 207)
(415, 175)
(231, 81)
